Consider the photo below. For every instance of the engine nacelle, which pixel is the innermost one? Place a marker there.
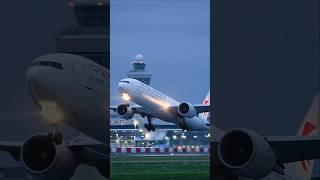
(187, 110)
(125, 111)
(245, 153)
(43, 159)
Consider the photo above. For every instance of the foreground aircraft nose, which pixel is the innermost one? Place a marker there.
(40, 83)
(123, 86)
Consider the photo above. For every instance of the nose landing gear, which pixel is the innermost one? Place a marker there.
(149, 127)
(55, 136)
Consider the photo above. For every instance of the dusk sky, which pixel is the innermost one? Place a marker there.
(173, 37)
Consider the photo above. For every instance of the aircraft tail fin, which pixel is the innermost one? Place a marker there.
(310, 124)
(206, 101)
(309, 127)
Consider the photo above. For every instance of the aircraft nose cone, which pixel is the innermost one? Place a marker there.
(39, 84)
(122, 87)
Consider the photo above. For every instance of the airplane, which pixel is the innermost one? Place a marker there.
(151, 103)
(242, 154)
(72, 90)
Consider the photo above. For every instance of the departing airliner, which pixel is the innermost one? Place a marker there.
(151, 103)
(73, 90)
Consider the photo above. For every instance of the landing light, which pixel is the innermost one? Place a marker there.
(51, 111)
(135, 123)
(147, 135)
(126, 96)
(174, 137)
(165, 105)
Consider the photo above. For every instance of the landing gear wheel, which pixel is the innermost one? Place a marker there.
(55, 137)
(50, 136)
(58, 139)
(149, 117)
(149, 127)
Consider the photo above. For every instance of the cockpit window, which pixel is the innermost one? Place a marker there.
(35, 63)
(48, 63)
(125, 82)
(54, 64)
(59, 66)
(44, 63)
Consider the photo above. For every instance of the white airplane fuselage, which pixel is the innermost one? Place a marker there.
(73, 90)
(158, 104)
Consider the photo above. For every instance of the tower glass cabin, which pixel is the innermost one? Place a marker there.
(138, 72)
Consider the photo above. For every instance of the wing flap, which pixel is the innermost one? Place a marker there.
(201, 108)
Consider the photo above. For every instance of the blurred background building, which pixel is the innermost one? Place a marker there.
(90, 37)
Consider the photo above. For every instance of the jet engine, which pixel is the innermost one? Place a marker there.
(44, 160)
(245, 153)
(125, 111)
(187, 110)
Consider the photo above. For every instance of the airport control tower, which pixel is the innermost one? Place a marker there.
(138, 72)
(90, 37)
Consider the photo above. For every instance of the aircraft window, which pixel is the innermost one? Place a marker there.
(126, 82)
(49, 63)
(59, 66)
(54, 64)
(44, 63)
(35, 63)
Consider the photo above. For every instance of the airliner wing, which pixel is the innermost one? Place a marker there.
(88, 151)
(113, 108)
(135, 108)
(11, 147)
(292, 149)
(201, 108)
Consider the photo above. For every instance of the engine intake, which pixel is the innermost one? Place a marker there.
(42, 158)
(245, 153)
(187, 110)
(125, 111)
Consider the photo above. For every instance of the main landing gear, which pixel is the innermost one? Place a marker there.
(55, 136)
(149, 126)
